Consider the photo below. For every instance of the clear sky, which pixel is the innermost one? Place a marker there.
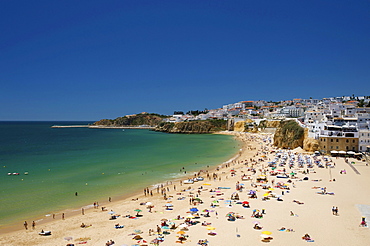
(88, 59)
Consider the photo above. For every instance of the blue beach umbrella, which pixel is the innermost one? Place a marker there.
(194, 210)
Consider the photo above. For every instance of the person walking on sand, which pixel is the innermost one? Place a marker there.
(25, 225)
(33, 225)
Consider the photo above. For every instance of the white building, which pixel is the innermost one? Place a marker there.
(364, 140)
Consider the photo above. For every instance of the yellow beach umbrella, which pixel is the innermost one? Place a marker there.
(271, 189)
(267, 232)
(266, 194)
(210, 228)
(206, 184)
(181, 232)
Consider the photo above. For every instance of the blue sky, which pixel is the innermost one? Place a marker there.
(88, 60)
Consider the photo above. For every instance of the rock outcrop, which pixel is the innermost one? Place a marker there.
(133, 120)
(198, 127)
(310, 144)
(289, 135)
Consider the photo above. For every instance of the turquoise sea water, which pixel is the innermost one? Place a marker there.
(96, 163)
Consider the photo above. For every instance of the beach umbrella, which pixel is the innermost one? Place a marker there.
(138, 211)
(271, 189)
(210, 228)
(181, 232)
(148, 203)
(68, 238)
(256, 222)
(266, 194)
(265, 236)
(206, 184)
(169, 205)
(164, 219)
(267, 232)
(245, 202)
(111, 212)
(194, 210)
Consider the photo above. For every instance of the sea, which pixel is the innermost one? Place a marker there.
(56, 164)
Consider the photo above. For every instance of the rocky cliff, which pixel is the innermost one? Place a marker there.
(133, 120)
(289, 135)
(204, 126)
(310, 144)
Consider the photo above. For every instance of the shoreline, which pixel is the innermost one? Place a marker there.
(104, 127)
(309, 200)
(76, 211)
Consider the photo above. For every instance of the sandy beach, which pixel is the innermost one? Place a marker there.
(222, 208)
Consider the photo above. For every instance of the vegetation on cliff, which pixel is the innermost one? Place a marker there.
(198, 126)
(289, 135)
(133, 120)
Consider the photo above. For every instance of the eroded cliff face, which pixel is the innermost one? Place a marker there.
(239, 126)
(245, 126)
(289, 135)
(197, 127)
(310, 144)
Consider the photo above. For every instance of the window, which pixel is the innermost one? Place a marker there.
(336, 147)
(337, 140)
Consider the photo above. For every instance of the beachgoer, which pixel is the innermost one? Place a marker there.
(25, 225)
(306, 237)
(33, 224)
(76, 194)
